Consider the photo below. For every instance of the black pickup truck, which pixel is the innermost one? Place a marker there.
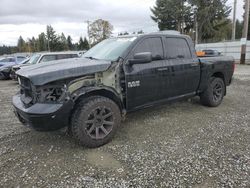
(90, 95)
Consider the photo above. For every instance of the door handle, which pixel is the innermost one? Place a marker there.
(194, 64)
(163, 69)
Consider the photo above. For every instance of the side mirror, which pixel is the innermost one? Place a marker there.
(140, 58)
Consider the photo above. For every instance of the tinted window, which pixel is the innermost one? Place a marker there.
(74, 55)
(20, 58)
(63, 56)
(10, 60)
(48, 58)
(153, 45)
(177, 48)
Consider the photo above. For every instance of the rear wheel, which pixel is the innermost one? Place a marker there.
(214, 93)
(95, 121)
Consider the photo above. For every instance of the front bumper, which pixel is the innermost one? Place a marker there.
(43, 117)
(4, 74)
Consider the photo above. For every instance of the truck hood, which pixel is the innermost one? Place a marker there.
(43, 73)
(21, 65)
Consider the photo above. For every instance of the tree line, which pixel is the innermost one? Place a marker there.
(209, 18)
(49, 41)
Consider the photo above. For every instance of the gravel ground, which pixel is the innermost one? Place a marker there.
(179, 145)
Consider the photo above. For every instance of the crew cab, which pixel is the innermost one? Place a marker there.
(117, 76)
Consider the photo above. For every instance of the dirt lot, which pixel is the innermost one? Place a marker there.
(178, 145)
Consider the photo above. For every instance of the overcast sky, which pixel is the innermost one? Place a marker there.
(29, 17)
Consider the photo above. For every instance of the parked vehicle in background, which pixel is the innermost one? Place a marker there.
(12, 73)
(208, 53)
(7, 63)
(117, 76)
(41, 58)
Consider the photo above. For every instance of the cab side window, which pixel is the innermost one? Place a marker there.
(153, 45)
(74, 55)
(48, 58)
(19, 58)
(63, 56)
(177, 48)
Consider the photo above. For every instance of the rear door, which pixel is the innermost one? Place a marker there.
(142, 80)
(185, 68)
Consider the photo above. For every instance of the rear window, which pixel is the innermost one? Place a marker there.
(177, 48)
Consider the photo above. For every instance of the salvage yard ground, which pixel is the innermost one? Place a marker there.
(177, 145)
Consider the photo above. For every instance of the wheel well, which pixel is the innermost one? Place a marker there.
(102, 92)
(220, 75)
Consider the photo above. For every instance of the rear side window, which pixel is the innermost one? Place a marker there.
(153, 45)
(11, 60)
(63, 56)
(177, 48)
(20, 58)
(74, 55)
(48, 58)
(66, 56)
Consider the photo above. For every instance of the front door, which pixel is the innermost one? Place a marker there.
(143, 80)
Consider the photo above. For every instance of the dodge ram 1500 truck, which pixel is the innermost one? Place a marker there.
(91, 95)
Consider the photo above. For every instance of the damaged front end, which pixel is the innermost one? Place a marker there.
(49, 106)
(43, 108)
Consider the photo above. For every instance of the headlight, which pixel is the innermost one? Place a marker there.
(19, 81)
(51, 93)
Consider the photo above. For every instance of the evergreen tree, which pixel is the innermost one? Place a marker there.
(42, 42)
(64, 42)
(85, 44)
(52, 38)
(212, 15)
(239, 29)
(140, 32)
(81, 44)
(172, 15)
(69, 43)
(21, 46)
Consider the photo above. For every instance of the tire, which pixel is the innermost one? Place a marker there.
(3, 76)
(214, 93)
(95, 121)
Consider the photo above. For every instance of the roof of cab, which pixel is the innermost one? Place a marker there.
(55, 53)
(165, 32)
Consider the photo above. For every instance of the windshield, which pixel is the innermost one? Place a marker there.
(109, 49)
(33, 59)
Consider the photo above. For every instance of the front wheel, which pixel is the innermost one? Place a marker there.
(214, 93)
(95, 121)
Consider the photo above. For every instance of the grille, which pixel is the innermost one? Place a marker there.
(26, 91)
